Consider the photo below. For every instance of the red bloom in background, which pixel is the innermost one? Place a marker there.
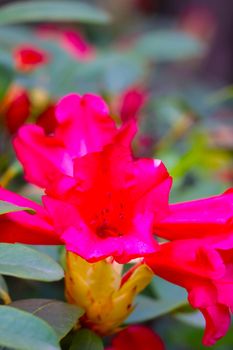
(131, 103)
(100, 201)
(17, 112)
(17, 109)
(47, 119)
(200, 258)
(29, 57)
(137, 338)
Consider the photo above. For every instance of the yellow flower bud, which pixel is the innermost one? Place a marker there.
(100, 290)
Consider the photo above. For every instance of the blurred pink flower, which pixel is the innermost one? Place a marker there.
(74, 43)
(136, 338)
(132, 101)
(198, 21)
(71, 40)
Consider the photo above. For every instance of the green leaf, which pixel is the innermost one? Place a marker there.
(168, 291)
(23, 331)
(20, 261)
(6, 74)
(44, 11)
(169, 298)
(61, 316)
(54, 251)
(220, 96)
(148, 309)
(9, 208)
(110, 71)
(10, 36)
(194, 319)
(86, 340)
(168, 45)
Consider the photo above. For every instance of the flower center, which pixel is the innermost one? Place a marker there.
(105, 231)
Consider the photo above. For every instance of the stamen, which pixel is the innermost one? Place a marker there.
(105, 231)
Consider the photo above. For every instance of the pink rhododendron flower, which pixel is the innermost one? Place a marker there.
(99, 200)
(28, 57)
(112, 205)
(137, 338)
(200, 258)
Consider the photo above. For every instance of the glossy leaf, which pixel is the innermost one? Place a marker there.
(169, 298)
(9, 208)
(168, 291)
(10, 36)
(86, 340)
(111, 71)
(194, 319)
(23, 331)
(6, 74)
(43, 11)
(61, 316)
(20, 261)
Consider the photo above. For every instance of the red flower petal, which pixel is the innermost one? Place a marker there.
(28, 57)
(137, 338)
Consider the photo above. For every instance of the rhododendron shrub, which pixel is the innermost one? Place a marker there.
(100, 201)
(100, 186)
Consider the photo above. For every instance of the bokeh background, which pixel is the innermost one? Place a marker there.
(169, 63)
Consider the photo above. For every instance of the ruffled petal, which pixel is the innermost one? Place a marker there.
(199, 218)
(84, 242)
(218, 321)
(23, 227)
(43, 157)
(202, 271)
(84, 124)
